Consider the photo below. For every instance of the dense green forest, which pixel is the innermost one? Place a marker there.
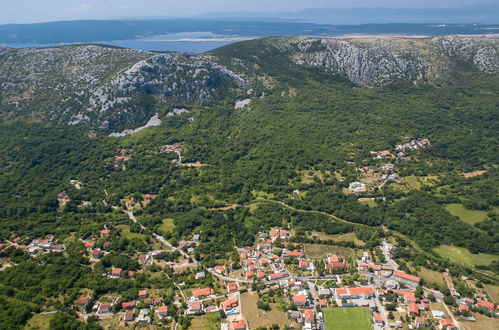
(308, 123)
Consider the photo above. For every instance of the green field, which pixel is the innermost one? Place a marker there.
(357, 318)
(39, 321)
(463, 256)
(167, 225)
(468, 216)
(320, 251)
(125, 232)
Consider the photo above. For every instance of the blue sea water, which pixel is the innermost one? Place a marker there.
(174, 42)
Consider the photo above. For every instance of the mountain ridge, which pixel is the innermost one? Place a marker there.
(111, 88)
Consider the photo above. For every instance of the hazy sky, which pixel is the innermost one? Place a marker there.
(27, 11)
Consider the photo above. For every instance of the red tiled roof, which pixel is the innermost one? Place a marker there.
(162, 309)
(332, 259)
(309, 314)
(202, 292)
(299, 298)
(486, 304)
(116, 271)
(238, 325)
(413, 308)
(142, 293)
(361, 290)
(463, 307)
(407, 276)
(335, 265)
(341, 291)
(378, 317)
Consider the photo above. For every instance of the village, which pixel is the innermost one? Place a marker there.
(273, 270)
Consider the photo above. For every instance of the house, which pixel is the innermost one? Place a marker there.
(232, 287)
(200, 275)
(413, 309)
(96, 254)
(332, 259)
(238, 325)
(323, 303)
(83, 301)
(128, 316)
(219, 269)
(378, 319)
(116, 272)
(106, 245)
(105, 232)
(485, 304)
(142, 294)
(463, 308)
(438, 314)
(335, 265)
(194, 308)
(249, 274)
(420, 322)
(276, 276)
(104, 308)
(300, 300)
(407, 278)
(303, 264)
(361, 292)
(89, 245)
(198, 293)
(308, 314)
(147, 197)
(129, 304)
(148, 301)
(143, 316)
(162, 311)
(446, 324)
(295, 254)
(357, 187)
(157, 301)
(131, 274)
(230, 306)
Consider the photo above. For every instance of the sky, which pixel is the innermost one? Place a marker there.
(30, 11)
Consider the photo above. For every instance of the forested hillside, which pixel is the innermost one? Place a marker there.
(305, 134)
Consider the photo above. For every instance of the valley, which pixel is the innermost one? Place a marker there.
(360, 175)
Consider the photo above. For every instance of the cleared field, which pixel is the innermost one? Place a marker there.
(358, 318)
(258, 318)
(468, 216)
(482, 323)
(493, 291)
(319, 251)
(349, 237)
(210, 321)
(431, 276)
(167, 225)
(416, 182)
(463, 256)
(125, 232)
(40, 322)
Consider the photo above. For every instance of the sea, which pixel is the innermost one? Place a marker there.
(186, 42)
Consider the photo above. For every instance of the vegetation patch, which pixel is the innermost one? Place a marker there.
(259, 318)
(125, 232)
(167, 225)
(463, 256)
(320, 251)
(210, 321)
(468, 216)
(39, 321)
(357, 318)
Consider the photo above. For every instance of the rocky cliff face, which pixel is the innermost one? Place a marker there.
(103, 86)
(378, 60)
(113, 88)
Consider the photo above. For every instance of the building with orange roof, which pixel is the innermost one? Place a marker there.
(238, 325)
(202, 292)
(105, 232)
(116, 272)
(143, 294)
(446, 324)
(485, 304)
(309, 315)
(413, 309)
(333, 258)
(300, 300)
(407, 278)
(249, 274)
(232, 287)
(378, 319)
